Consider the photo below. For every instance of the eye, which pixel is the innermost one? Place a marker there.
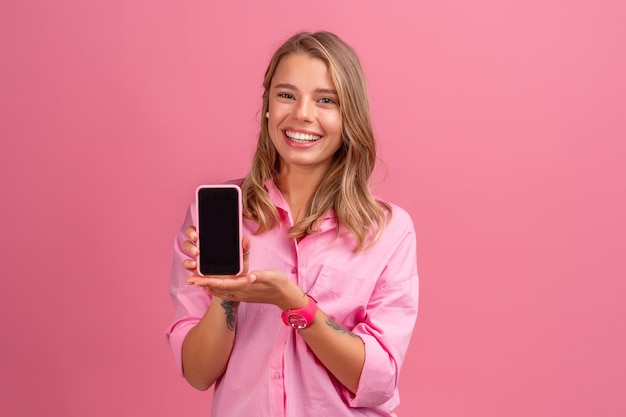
(326, 100)
(288, 96)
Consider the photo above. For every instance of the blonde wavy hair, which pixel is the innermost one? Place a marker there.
(345, 187)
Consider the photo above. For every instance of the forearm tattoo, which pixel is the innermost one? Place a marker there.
(339, 328)
(230, 310)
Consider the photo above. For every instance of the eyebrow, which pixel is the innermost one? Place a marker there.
(318, 90)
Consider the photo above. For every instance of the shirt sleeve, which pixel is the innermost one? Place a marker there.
(388, 327)
(190, 302)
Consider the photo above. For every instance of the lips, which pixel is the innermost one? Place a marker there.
(301, 137)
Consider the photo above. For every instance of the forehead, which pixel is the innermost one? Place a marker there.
(302, 70)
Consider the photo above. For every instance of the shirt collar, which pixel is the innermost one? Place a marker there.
(328, 221)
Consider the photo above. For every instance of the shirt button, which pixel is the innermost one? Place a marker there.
(294, 270)
(276, 375)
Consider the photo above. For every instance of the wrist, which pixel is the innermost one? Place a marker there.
(294, 299)
(301, 318)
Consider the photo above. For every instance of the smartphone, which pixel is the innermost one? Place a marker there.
(219, 229)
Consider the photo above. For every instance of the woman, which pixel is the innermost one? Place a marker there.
(318, 246)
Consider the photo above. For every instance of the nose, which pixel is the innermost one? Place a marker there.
(305, 110)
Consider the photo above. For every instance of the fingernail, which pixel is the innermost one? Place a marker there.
(253, 277)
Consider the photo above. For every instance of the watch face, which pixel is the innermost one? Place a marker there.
(297, 320)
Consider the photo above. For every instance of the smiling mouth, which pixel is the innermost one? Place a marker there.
(302, 137)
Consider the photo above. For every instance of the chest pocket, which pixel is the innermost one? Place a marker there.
(342, 296)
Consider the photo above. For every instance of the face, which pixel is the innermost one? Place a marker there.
(304, 117)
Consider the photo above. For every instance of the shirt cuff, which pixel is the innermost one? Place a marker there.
(176, 336)
(377, 384)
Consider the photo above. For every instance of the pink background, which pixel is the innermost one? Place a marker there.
(502, 131)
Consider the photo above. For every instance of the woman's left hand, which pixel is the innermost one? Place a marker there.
(266, 287)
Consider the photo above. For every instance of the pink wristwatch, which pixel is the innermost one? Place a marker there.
(301, 318)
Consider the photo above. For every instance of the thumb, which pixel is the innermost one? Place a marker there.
(245, 250)
(263, 276)
(245, 244)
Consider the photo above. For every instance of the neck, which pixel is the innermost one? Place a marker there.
(297, 187)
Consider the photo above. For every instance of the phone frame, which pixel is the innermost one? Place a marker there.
(239, 226)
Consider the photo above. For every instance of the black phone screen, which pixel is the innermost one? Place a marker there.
(219, 211)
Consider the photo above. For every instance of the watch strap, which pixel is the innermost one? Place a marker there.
(301, 318)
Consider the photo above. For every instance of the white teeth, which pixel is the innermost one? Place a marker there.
(302, 136)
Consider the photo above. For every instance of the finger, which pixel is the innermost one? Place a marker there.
(190, 248)
(192, 280)
(190, 265)
(191, 233)
(200, 281)
(264, 276)
(217, 283)
(245, 245)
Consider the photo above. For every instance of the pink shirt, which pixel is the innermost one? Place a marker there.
(271, 371)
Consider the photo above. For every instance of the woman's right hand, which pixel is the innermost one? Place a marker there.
(190, 247)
